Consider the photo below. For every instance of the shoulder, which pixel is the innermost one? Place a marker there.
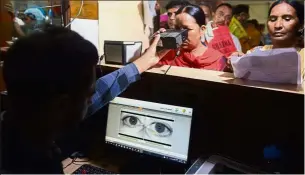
(266, 47)
(212, 52)
(233, 36)
(262, 48)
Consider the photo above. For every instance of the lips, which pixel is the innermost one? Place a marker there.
(278, 34)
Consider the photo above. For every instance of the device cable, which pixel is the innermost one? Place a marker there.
(79, 12)
(73, 160)
(177, 54)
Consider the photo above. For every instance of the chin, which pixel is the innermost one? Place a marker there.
(185, 47)
(280, 39)
(171, 26)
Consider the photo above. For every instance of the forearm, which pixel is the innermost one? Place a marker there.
(112, 85)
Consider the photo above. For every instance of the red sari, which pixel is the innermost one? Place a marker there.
(211, 59)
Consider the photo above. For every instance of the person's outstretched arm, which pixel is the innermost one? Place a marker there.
(110, 86)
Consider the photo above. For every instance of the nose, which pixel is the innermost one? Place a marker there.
(221, 19)
(172, 17)
(278, 24)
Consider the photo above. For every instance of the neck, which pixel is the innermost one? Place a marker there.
(199, 50)
(33, 126)
(284, 45)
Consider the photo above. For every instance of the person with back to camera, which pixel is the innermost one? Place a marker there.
(172, 8)
(50, 79)
(285, 26)
(193, 53)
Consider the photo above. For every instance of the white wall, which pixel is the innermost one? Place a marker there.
(118, 20)
(121, 21)
(88, 29)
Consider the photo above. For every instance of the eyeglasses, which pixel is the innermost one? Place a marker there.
(169, 14)
(221, 15)
(244, 15)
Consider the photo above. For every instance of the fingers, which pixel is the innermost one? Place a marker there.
(238, 54)
(161, 30)
(155, 40)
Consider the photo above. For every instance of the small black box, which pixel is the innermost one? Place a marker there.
(172, 39)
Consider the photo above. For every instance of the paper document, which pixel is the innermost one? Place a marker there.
(275, 66)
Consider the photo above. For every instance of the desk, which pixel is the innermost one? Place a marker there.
(70, 167)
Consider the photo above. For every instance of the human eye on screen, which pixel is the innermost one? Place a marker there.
(159, 129)
(131, 121)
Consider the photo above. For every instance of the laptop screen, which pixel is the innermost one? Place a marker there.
(150, 128)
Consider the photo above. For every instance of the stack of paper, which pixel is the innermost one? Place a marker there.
(275, 65)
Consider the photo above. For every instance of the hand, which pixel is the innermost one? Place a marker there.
(4, 49)
(237, 54)
(151, 57)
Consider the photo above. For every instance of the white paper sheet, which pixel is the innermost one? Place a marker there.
(275, 66)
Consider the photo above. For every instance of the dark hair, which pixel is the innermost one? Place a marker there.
(195, 11)
(176, 4)
(207, 4)
(224, 4)
(46, 64)
(31, 16)
(240, 8)
(299, 8)
(254, 22)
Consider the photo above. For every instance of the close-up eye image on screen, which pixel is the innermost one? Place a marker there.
(146, 127)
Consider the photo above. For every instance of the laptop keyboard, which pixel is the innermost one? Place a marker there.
(89, 169)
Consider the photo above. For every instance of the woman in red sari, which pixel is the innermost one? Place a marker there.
(193, 53)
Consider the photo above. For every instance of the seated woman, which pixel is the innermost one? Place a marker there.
(193, 53)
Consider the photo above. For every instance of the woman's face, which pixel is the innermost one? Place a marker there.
(186, 21)
(283, 25)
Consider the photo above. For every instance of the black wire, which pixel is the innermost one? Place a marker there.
(80, 161)
(168, 69)
(70, 163)
(177, 54)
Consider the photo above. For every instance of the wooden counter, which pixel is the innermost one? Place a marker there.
(220, 77)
